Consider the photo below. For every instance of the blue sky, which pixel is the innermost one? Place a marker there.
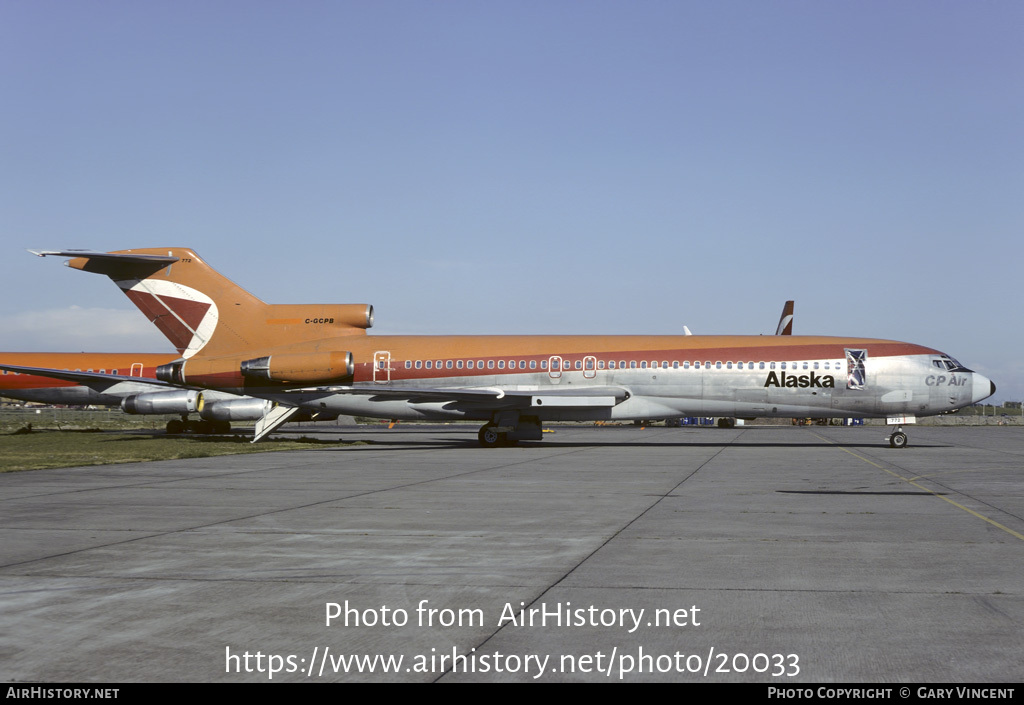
(527, 167)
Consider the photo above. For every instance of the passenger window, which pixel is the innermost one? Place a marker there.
(490, 364)
(469, 364)
(430, 364)
(533, 364)
(501, 364)
(458, 364)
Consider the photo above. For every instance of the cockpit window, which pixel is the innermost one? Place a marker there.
(945, 362)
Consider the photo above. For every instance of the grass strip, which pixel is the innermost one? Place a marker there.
(40, 450)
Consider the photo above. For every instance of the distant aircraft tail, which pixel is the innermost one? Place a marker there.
(198, 309)
(786, 320)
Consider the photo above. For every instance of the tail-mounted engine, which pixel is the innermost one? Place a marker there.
(301, 368)
(280, 368)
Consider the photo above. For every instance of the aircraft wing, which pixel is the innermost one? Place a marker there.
(490, 397)
(98, 381)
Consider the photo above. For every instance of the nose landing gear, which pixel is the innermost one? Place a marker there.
(897, 439)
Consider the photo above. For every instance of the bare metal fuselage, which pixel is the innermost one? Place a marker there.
(735, 378)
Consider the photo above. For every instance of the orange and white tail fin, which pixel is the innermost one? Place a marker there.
(786, 320)
(197, 308)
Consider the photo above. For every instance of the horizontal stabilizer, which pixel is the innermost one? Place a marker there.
(113, 257)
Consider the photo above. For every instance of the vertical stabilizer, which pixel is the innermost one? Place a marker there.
(786, 320)
(199, 309)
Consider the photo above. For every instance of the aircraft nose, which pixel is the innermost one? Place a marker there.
(981, 388)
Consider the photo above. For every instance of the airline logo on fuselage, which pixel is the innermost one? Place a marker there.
(803, 381)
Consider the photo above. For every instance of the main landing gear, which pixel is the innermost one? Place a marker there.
(490, 437)
(508, 428)
(897, 439)
(200, 427)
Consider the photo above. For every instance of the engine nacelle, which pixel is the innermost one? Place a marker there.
(247, 409)
(234, 371)
(301, 368)
(176, 402)
(301, 319)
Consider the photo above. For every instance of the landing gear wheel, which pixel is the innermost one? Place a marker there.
(175, 427)
(898, 440)
(490, 438)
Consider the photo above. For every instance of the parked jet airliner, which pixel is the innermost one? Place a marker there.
(83, 379)
(128, 380)
(319, 357)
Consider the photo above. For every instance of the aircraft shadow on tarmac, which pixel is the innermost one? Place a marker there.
(440, 437)
(470, 441)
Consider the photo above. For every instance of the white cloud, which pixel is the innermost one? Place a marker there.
(77, 329)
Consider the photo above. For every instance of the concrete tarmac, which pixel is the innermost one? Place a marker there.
(778, 555)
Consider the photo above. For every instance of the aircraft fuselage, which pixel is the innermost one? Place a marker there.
(656, 377)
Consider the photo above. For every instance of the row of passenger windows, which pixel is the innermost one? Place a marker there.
(102, 372)
(590, 362)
